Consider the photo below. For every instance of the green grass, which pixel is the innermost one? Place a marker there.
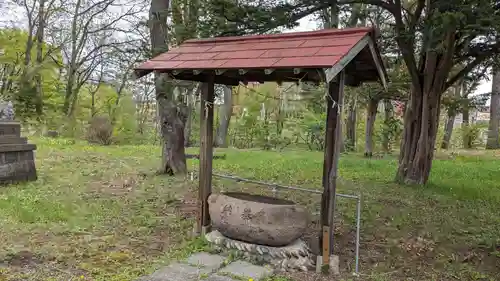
(102, 213)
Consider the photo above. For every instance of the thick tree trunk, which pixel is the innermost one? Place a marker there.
(419, 138)
(388, 116)
(371, 115)
(448, 130)
(172, 114)
(224, 118)
(493, 141)
(350, 141)
(172, 120)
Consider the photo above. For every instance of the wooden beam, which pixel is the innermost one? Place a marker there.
(330, 164)
(378, 64)
(176, 72)
(206, 76)
(345, 60)
(197, 71)
(219, 71)
(242, 71)
(206, 154)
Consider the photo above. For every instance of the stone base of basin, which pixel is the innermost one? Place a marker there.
(257, 219)
(293, 257)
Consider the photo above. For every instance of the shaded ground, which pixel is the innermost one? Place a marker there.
(101, 213)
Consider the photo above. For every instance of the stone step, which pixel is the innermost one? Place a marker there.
(245, 270)
(10, 128)
(209, 267)
(9, 139)
(17, 147)
(18, 171)
(206, 260)
(176, 272)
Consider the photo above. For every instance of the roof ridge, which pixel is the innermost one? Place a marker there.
(321, 32)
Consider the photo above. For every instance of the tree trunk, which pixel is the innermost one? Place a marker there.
(39, 58)
(281, 112)
(350, 141)
(448, 130)
(388, 116)
(419, 137)
(371, 115)
(172, 115)
(466, 139)
(224, 118)
(172, 120)
(493, 141)
(189, 116)
(72, 71)
(93, 109)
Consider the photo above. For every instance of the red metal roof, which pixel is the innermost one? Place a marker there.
(315, 49)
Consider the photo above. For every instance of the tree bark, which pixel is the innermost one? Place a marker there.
(224, 118)
(350, 140)
(419, 137)
(466, 139)
(452, 109)
(493, 141)
(172, 115)
(189, 116)
(71, 73)
(172, 120)
(388, 116)
(39, 58)
(448, 130)
(371, 115)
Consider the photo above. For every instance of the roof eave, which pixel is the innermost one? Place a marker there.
(139, 72)
(365, 42)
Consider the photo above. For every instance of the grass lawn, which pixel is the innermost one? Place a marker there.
(102, 213)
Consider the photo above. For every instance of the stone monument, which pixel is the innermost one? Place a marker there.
(17, 161)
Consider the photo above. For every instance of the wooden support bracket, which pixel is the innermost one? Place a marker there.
(220, 71)
(268, 71)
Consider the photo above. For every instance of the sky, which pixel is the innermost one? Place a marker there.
(305, 24)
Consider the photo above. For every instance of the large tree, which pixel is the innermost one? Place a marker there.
(432, 37)
(171, 111)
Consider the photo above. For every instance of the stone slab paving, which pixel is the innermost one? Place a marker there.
(206, 260)
(177, 272)
(209, 267)
(246, 270)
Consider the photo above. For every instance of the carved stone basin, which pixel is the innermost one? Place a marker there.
(257, 219)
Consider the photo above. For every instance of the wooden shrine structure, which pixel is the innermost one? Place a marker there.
(336, 57)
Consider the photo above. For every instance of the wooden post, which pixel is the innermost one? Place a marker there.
(330, 164)
(206, 155)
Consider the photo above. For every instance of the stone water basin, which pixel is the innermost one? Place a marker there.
(257, 219)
